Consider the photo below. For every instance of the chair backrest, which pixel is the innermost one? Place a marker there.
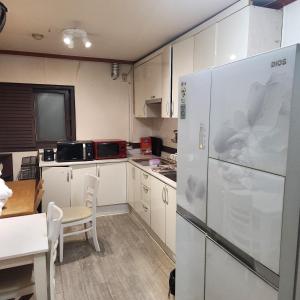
(54, 219)
(90, 191)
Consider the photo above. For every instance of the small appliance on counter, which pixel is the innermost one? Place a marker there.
(110, 149)
(29, 168)
(145, 143)
(156, 145)
(48, 155)
(74, 151)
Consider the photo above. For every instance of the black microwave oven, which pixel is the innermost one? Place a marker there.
(74, 151)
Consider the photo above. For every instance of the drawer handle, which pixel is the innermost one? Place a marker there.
(145, 189)
(145, 175)
(145, 208)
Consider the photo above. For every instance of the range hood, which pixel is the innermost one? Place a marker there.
(154, 101)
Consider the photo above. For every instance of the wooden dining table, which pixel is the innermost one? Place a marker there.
(22, 202)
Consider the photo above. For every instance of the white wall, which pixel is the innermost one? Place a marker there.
(164, 128)
(291, 24)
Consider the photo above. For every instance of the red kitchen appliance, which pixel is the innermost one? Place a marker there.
(110, 149)
(145, 145)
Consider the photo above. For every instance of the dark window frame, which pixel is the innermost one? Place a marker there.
(70, 117)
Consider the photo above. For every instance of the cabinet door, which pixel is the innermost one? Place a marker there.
(139, 91)
(158, 208)
(166, 82)
(137, 189)
(190, 261)
(130, 184)
(232, 37)
(153, 84)
(226, 278)
(112, 187)
(204, 55)
(57, 183)
(171, 218)
(77, 182)
(183, 61)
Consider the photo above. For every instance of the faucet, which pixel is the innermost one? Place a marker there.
(175, 138)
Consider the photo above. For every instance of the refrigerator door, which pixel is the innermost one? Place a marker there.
(224, 274)
(245, 207)
(250, 109)
(193, 129)
(190, 261)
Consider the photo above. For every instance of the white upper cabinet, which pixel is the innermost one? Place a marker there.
(247, 32)
(166, 82)
(183, 63)
(139, 91)
(204, 52)
(153, 84)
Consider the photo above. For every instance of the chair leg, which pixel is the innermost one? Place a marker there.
(95, 239)
(61, 244)
(86, 233)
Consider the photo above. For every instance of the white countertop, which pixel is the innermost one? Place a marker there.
(148, 169)
(43, 164)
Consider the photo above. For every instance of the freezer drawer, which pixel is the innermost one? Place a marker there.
(190, 261)
(250, 111)
(228, 279)
(193, 128)
(245, 207)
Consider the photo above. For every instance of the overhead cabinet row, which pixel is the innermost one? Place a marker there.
(247, 32)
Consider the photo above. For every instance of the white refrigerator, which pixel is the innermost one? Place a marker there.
(238, 168)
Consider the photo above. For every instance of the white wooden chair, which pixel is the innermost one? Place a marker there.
(82, 215)
(18, 281)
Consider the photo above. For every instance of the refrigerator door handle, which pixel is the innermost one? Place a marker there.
(202, 137)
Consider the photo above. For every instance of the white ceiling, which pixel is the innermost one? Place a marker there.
(118, 29)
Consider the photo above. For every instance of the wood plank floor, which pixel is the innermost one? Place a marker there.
(131, 266)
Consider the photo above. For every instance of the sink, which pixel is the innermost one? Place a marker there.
(170, 174)
(146, 161)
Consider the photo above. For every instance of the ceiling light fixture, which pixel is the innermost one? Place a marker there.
(69, 36)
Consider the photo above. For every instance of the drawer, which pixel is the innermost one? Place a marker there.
(145, 212)
(146, 195)
(145, 179)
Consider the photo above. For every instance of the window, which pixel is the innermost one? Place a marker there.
(35, 116)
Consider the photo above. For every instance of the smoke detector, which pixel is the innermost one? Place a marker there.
(70, 35)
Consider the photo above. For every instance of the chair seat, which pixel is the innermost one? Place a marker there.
(72, 214)
(14, 279)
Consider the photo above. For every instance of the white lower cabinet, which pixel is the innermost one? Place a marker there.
(190, 261)
(163, 212)
(77, 179)
(112, 187)
(130, 169)
(64, 185)
(224, 274)
(158, 208)
(57, 185)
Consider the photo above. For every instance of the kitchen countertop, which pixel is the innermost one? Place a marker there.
(148, 169)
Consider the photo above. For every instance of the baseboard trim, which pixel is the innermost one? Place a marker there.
(108, 210)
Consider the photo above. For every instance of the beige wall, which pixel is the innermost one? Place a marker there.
(164, 128)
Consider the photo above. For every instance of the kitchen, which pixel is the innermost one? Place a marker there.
(131, 93)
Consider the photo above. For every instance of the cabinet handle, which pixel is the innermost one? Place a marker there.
(167, 108)
(145, 110)
(98, 172)
(145, 175)
(71, 174)
(133, 173)
(172, 108)
(146, 189)
(163, 195)
(68, 177)
(167, 196)
(202, 137)
(145, 208)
